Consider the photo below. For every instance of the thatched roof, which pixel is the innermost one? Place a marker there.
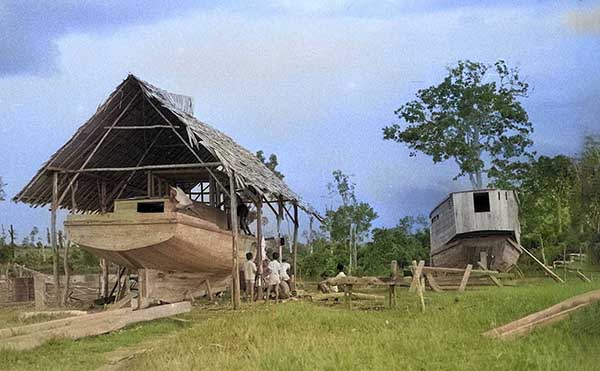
(134, 104)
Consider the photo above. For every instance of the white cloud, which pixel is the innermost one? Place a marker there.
(584, 20)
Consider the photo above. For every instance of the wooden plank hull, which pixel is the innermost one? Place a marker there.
(169, 241)
(499, 254)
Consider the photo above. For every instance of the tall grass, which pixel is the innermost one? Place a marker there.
(311, 336)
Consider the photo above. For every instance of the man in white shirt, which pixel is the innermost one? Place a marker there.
(274, 279)
(249, 276)
(285, 266)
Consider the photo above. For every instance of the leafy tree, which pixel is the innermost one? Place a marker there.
(473, 116)
(2, 193)
(408, 241)
(351, 221)
(588, 171)
(545, 193)
(271, 164)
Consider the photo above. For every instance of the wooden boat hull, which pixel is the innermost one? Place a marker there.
(169, 241)
(495, 253)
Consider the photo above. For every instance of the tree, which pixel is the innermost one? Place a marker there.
(408, 241)
(271, 164)
(351, 221)
(473, 116)
(2, 193)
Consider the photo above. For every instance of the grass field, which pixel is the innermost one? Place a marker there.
(310, 336)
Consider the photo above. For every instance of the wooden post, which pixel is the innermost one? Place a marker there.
(234, 236)
(39, 285)
(259, 256)
(66, 267)
(209, 294)
(348, 295)
(104, 278)
(56, 257)
(418, 269)
(465, 279)
(295, 247)
(279, 218)
(394, 278)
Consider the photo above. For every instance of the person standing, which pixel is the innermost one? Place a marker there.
(249, 276)
(274, 278)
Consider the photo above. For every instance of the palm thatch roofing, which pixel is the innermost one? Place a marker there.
(143, 127)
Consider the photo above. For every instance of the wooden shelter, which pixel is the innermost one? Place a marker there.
(143, 140)
(474, 227)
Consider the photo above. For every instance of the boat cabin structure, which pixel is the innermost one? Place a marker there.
(476, 227)
(119, 175)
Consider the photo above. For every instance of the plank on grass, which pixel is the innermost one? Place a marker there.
(94, 326)
(544, 317)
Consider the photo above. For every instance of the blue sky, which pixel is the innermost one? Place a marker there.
(311, 81)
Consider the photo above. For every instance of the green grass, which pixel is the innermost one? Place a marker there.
(310, 336)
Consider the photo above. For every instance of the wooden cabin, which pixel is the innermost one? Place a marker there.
(472, 227)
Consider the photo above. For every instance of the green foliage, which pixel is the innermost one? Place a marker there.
(271, 164)
(473, 115)
(408, 241)
(560, 202)
(351, 212)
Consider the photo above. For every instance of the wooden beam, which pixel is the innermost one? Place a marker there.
(465, 279)
(259, 257)
(98, 145)
(544, 317)
(200, 160)
(495, 280)
(92, 325)
(234, 236)
(295, 247)
(548, 270)
(140, 127)
(140, 168)
(433, 283)
(53, 236)
(416, 276)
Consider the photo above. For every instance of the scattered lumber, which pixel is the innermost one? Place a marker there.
(27, 315)
(89, 325)
(544, 317)
(351, 280)
(341, 295)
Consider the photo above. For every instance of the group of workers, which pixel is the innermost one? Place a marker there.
(276, 274)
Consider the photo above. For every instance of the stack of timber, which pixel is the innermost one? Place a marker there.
(31, 336)
(544, 317)
(442, 278)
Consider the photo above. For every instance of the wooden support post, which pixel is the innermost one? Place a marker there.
(495, 280)
(465, 279)
(418, 270)
(394, 278)
(259, 251)
(294, 248)
(65, 248)
(420, 289)
(39, 285)
(348, 295)
(279, 219)
(548, 270)
(433, 283)
(56, 257)
(209, 293)
(235, 282)
(104, 278)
